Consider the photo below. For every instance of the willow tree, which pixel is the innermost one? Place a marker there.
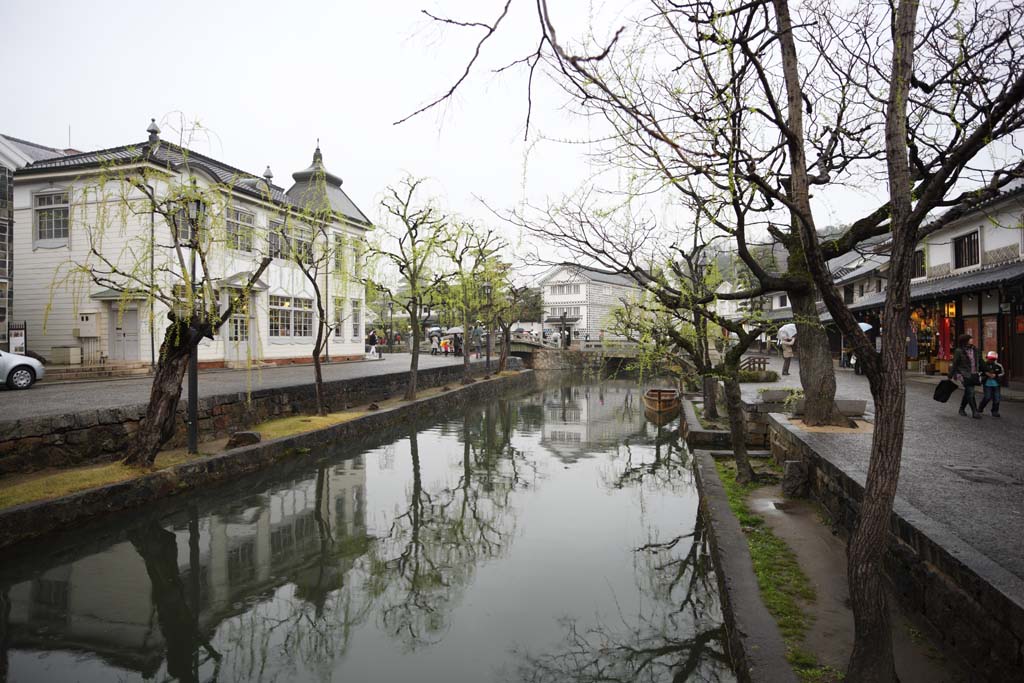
(409, 243)
(174, 265)
(468, 247)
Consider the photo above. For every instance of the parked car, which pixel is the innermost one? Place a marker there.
(19, 372)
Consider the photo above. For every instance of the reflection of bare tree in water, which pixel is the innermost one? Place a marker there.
(432, 549)
(179, 622)
(668, 468)
(678, 636)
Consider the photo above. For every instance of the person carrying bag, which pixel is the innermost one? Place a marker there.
(964, 369)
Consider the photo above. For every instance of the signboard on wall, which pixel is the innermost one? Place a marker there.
(17, 341)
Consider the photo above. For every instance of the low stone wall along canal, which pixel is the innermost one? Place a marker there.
(547, 535)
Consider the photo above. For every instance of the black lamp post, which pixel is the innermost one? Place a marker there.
(391, 325)
(193, 216)
(490, 324)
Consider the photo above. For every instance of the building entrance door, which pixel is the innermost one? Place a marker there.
(124, 334)
(238, 340)
(1017, 347)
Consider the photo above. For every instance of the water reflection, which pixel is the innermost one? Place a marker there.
(486, 546)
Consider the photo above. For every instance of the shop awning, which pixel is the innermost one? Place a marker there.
(947, 286)
(559, 320)
(118, 295)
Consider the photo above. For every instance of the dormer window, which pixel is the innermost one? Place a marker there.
(52, 219)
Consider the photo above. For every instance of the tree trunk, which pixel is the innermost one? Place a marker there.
(414, 363)
(817, 373)
(161, 418)
(318, 374)
(709, 387)
(737, 426)
(466, 379)
(506, 333)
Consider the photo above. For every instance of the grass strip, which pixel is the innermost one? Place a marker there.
(782, 583)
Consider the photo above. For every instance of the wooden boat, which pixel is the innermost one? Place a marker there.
(661, 400)
(660, 419)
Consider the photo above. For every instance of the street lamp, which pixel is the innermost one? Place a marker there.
(192, 215)
(391, 324)
(490, 323)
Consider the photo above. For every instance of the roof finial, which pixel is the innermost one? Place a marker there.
(154, 131)
(268, 175)
(318, 158)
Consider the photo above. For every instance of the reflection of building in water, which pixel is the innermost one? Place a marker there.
(104, 603)
(580, 421)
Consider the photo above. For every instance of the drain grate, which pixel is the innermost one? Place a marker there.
(983, 475)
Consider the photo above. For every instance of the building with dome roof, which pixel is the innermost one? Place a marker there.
(59, 201)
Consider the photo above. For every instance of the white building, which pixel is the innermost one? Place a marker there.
(585, 297)
(63, 204)
(14, 154)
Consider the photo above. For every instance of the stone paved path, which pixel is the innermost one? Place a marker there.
(966, 474)
(68, 397)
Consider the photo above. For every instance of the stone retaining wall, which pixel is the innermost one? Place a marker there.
(23, 522)
(975, 606)
(102, 435)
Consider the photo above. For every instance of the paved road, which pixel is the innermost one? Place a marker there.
(69, 397)
(965, 474)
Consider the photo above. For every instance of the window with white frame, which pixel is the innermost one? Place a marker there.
(52, 216)
(291, 316)
(239, 229)
(357, 319)
(358, 256)
(966, 250)
(302, 243)
(339, 317)
(277, 240)
(783, 301)
(569, 311)
(339, 253)
(5, 235)
(565, 289)
(238, 324)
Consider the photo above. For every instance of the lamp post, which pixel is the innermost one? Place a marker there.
(488, 289)
(193, 216)
(391, 325)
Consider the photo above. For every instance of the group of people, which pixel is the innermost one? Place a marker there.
(971, 371)
(374, 341)
(453, 343)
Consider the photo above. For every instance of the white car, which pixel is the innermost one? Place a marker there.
(19, 372)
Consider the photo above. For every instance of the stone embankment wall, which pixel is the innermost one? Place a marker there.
(33, 520)
(102, 435)
(974, 605)
(565, 359)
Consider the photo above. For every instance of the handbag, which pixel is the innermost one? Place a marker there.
(944, 390)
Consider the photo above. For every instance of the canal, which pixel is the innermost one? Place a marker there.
(547, 536)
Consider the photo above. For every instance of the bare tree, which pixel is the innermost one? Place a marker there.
(411, 244)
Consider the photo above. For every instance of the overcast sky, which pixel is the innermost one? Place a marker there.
(268, 78)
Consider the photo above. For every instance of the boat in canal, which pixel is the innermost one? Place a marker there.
(661, 400)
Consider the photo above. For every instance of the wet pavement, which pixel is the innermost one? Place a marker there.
(965, 474)
(59, 398)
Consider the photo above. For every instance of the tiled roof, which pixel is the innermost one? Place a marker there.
(174, 156)
(596, 275)
(948, 286)
(33, 150)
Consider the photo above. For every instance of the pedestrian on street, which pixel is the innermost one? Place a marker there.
(964, 369)
(991, 371)
(787, 352)
(371, 343)
(435, 346)
(478, 337)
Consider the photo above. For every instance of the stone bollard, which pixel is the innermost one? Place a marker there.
(794, 479)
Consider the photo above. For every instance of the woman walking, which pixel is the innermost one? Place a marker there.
(964, 369)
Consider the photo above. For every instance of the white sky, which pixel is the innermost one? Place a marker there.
(267, 78)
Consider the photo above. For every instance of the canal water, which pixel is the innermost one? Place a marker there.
(548, 536)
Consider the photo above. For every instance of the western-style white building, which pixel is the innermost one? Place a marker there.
(68, 206)
(583, 299)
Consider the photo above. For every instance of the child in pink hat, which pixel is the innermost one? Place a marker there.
(991, 371)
